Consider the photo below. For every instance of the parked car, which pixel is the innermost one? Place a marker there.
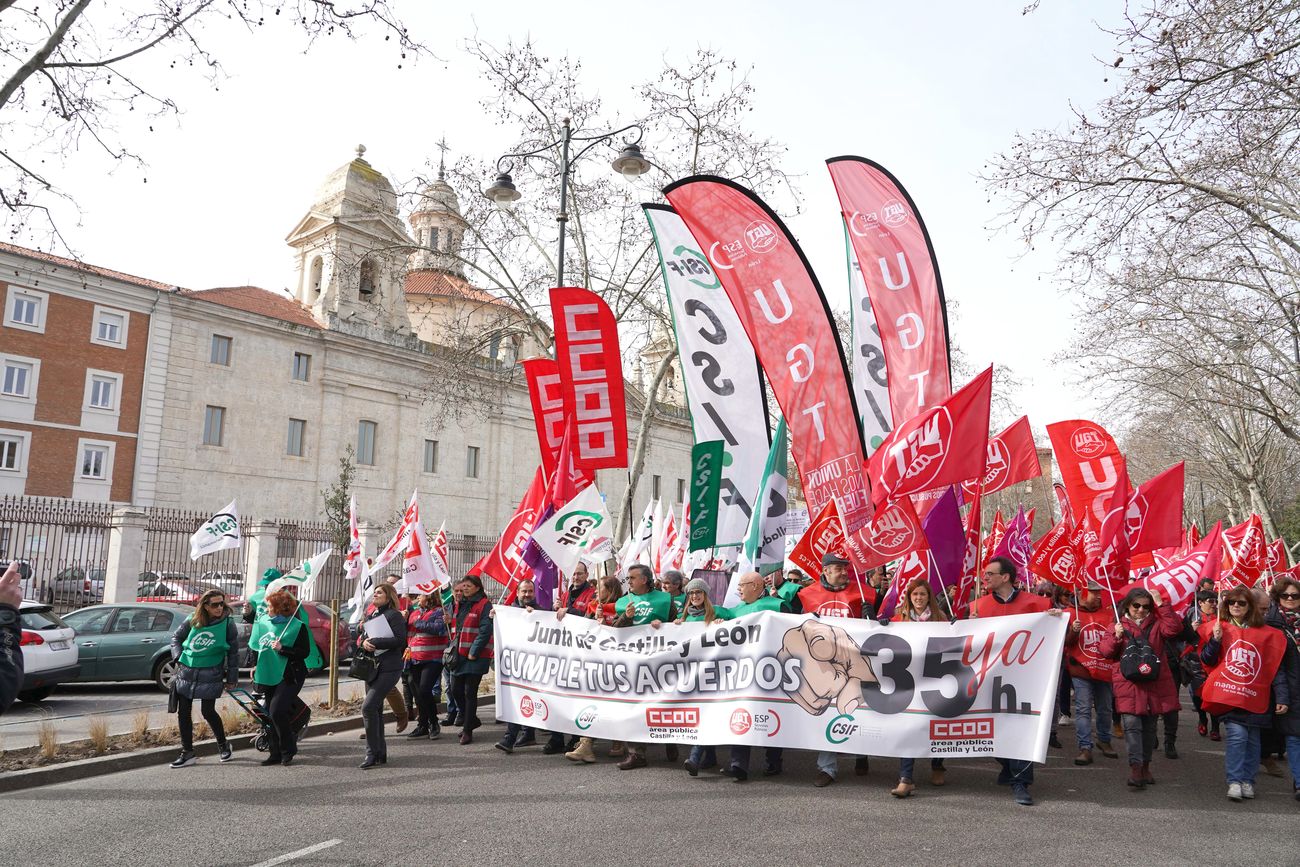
(49, 654)
(127, 641)
(231, 583)
(181, 590)
(318, 619)
(76, 587)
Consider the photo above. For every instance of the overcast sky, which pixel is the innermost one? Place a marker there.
(930, 90)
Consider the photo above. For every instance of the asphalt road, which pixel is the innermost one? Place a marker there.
(73, 705)
(442, 803)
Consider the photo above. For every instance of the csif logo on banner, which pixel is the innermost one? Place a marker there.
(692, 265)
(577, 527)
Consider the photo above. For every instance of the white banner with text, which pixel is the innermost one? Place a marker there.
(983, 687)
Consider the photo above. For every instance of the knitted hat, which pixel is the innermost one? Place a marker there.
(697, 584)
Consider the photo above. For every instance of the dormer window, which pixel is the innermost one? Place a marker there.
(368, 278)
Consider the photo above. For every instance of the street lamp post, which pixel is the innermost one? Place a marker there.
(630, 163)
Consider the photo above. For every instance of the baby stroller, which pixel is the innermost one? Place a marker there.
(299, 716)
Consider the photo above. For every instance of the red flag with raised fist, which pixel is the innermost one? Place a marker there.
(1155, 512)
(1247, 553)
(902, 278)
(945, 445)
(895, 531)
(546, 394)
(1058, 556)
(591, 376)
(1012, 457)
(1091, 466)
(785, 314)
(825, 533)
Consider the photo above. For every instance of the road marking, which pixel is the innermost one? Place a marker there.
(291, 856)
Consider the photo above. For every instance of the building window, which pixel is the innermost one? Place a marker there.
(25, 309)
(471, 462)
(317, 273)
(431, 456)
(681, 490)
(297, 435)
(18, 376)
(110, 327)
(655, 485)
(214, 425)
(94, 462)
(301, 366)
(11, 453)
(433, 239)
(220, 353)
(366, 431)
(103, 392)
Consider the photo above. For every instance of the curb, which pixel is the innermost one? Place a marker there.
(100, 765)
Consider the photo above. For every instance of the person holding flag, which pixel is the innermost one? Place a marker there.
(427, 642)
(384, 634)
(469, 653)
(255, 605)
(281, 670)
(1284, 614)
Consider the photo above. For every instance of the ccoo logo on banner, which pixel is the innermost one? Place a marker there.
(979, 687)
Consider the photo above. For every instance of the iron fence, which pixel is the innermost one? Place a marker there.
(299, 541)
(168, 569)
(64, 543)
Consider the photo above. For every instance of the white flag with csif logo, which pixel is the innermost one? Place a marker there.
(579, 530)
(218, 534)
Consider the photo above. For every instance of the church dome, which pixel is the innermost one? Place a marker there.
(438, 197)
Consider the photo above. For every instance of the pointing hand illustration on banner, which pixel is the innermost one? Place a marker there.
(832, 666)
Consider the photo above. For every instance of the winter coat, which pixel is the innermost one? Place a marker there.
(1151, 697)
(388, 651)
(207, 682)
(1289, 722)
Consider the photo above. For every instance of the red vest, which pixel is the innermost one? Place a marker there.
(579, 603)
(1023, 602)
(1243, 677)
(608, 612)
(816, 599)
(466, 632)
(424, 647)
(1085, 646)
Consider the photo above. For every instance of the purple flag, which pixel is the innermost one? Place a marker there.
(942, 564)
(1016, 544)
(546, 575)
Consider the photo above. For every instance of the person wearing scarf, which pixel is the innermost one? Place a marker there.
(700, 609)
(1241, 619)
(284, 644)
(1284, 614)
(919, 606)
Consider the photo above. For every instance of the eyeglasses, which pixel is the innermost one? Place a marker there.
(1233, 603)
(216, 603)
(988, 574)
(696, 593)
(1140, 606)
(1289, 596)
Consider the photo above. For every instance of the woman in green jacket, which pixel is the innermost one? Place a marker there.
(283, 644)
(206, 649)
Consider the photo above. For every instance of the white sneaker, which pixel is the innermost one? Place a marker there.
(1248, 790)
(1063, 720)
(1234, 791)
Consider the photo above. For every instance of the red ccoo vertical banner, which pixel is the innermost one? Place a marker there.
(546, 394)
(591, 376)
(902, 276)
(785, 314)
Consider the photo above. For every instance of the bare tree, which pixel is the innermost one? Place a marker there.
(72, 70)
(1176, 204)
(694, 122)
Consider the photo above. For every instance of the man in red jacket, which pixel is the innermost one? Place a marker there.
(1002, 596)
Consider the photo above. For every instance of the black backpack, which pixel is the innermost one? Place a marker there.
(1140, 663)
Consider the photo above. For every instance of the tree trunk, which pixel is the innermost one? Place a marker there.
(642, 442)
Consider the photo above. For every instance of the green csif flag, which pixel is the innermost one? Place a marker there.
(706, 485)
(765, 542)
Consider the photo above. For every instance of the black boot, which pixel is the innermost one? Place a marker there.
(420, 731)
(1171, 751)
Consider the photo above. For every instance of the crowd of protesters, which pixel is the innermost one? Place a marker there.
(438, 646)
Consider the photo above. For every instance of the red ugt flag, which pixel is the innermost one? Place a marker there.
(1012, 458)
(1155, 512)
(945, 445)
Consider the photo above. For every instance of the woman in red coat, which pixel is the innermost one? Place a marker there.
(1141, 702)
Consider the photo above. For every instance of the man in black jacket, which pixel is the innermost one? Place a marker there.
(11, 654)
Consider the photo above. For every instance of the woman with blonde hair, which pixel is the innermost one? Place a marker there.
(206, 649)
(918, 605)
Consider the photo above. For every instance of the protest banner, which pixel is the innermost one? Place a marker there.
(983, 687)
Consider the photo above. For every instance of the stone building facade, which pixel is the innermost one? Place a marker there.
(245, 393)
